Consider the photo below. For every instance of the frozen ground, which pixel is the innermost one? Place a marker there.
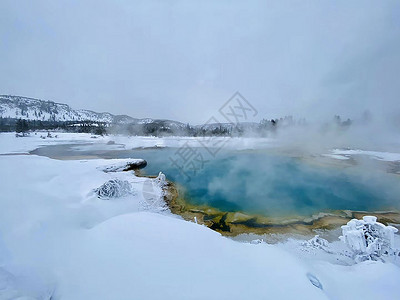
(58, 238)
(10, 144)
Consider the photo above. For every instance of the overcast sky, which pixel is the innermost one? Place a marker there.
(183, 59)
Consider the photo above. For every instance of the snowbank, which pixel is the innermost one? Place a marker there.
(95, 249)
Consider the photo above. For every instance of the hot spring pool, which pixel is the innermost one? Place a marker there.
(266, 183)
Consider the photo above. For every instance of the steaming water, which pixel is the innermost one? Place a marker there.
(264, 182)
(272, 184)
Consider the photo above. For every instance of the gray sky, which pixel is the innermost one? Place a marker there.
(183, 59)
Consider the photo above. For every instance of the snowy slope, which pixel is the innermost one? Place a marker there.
(86, 248)
(34, 109)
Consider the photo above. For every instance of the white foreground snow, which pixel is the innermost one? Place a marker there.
(57, 237)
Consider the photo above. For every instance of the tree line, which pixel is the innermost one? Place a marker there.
(266, 127)
(24, 126)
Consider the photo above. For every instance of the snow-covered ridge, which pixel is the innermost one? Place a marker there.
(35, 109)
(16, 107)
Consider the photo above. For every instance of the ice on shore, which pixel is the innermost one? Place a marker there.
(369, 239)
(153, 193)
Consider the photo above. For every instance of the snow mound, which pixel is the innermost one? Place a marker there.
(114, 188)
(369, 239)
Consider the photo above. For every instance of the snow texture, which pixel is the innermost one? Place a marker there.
(128, 165)
(369, 239)
(114, 188)
(41, 110)
(153, 194)
(35, 109)
(317, 243)
(378, 155)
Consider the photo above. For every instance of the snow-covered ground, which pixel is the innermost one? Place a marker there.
(10, 144)
(379, 155)
(58, 238)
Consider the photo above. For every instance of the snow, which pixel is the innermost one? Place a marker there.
(57, 237)
(114, 188)
(336, 156)
(166, 258)
(9, 144)
(369, 239)
(35, 109)
(384, 156)
(367, 280)
(124, 165)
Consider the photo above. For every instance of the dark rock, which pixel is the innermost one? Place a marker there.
(131, 166)
(126, 166)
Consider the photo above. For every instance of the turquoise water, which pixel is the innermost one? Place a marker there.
(272, 184)
(267, 183)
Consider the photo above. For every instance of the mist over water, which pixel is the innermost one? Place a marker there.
(375, 134)
(270, 182)
(277, 185)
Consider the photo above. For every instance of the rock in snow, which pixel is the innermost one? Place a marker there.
(369, 239)
(131, 165)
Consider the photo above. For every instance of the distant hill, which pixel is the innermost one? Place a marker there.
(53, 115)
(41, 110)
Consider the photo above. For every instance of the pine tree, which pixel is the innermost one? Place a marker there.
(21, 126)
(100, 130)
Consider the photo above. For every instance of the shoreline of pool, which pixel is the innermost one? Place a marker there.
(235, 223)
